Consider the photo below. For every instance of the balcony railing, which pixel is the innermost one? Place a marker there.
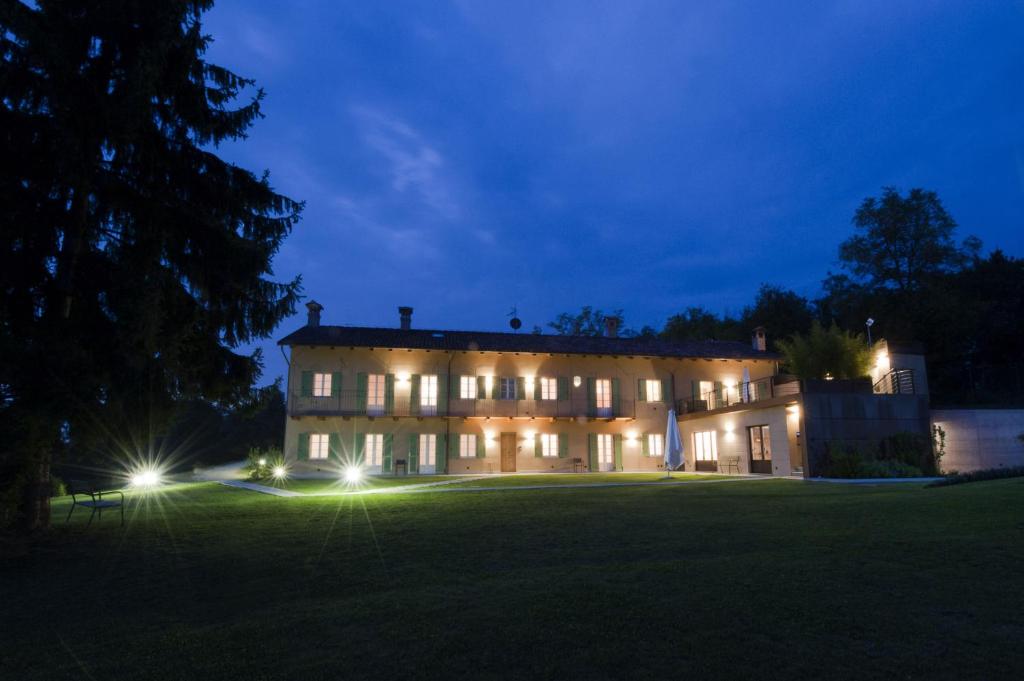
(896, 382)
(355, 403)
(743, 393)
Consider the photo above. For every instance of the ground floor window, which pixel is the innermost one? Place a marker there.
(428, 449)
(319, 445)
(705, 446)
(656, 445)
(549, 444)
(467, 446)
(605, 450)
(373, 454)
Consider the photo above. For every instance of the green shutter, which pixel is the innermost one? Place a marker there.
(362, 381)
(520, 388)
(456, 382)
(307, 384)
(537, 392)
(441, 454)
(666, 390)
(616, 394)
(334, 446)
(695, 389)
(413, 457)
(538, 449)
(592, 452)
(481, 388)
(303, 451)
(563, 445)
(591, 396)
(481, 446)
(414, 394)
(389, 448)
(453, 446)
(359, 449)
(336, 384)
(389, 394)
(563, 388)
(645, 445)
(641, 389)
(719, 395)
(495, 387)
(617, 440)
(443, 394)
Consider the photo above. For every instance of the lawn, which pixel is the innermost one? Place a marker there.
(337, 486)
(766, 579)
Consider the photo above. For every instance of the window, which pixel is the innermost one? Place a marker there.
(321, 385)
(428, 394)
(656, 444)
(653, 390)
(375, 393)
(760, 443)
(605, 451)
(467, 387)
(705, 446)
(319, 445)
(603, 396)
(549, 388)
(707, 393)
(548, 444)
(428, 450)
(373, 454)
(507, 388)
(467, 446)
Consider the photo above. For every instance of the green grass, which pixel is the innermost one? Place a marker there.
(576, 479)
(744, 580)
(328, 486)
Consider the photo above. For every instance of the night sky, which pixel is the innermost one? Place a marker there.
(469, 157)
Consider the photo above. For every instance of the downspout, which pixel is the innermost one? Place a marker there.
(447, 407)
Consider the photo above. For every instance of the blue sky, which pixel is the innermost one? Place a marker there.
(463, 158)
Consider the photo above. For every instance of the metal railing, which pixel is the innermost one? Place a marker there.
(742, 393)
(356, 403)
(896, 382)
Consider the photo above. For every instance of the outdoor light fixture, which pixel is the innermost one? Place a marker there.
(148, 477)
(403, 377)
(279, 472)
(577, 381)
(793, 409)
(263, 462)
(353, 474)
(869, 323)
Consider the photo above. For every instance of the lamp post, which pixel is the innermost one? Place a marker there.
(869, 323)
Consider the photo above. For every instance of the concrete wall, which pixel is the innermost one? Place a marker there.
(981, 438)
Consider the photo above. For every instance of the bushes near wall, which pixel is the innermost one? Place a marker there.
(902, 455)
(979, 476)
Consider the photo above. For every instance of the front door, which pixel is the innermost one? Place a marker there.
(760, 450)
(508, 452)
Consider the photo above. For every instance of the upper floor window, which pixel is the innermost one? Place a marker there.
(319, 445)
(603, 394)
(507, 388)
(428, 393)
(548, 444)
(467, 445)
(467, 387)
(656, 445)
(549, 389)
(653, 390)
(373, 454)
(375, 392)
(321, 385)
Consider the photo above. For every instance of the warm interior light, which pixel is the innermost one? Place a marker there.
(353, 474)
(279, 472)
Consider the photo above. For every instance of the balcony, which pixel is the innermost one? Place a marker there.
(356, 403)
(896, 382)
(743, 393)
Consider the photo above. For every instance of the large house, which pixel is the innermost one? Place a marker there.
(436, 401)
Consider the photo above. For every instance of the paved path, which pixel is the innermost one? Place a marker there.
(262, 489)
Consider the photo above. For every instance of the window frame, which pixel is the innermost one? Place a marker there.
(471, 382)
(507, 388)
(548, 388)
(376, 391)
(319, 443)
(428, 449)
(548, 445)
(659, 450)
(603, 393)
(652, 390)
(428, 391)
(765, 442)
(467, 443)
(701, 440)
(605, 445)
(376, 439)
(322, 384)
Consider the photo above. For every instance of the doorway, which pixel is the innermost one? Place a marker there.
(760, 450)
(508, 452)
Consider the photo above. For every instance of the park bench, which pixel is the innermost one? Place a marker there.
(730, 462)
(89, 495)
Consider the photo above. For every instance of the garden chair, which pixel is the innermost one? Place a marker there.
(81, 489)
(730, 462)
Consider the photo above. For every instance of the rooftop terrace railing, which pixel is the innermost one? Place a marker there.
(742, 393)
(896, 382)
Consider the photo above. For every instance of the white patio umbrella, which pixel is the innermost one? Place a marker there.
(746, 384)
(673, 444)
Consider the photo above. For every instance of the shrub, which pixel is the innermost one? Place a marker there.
(261, 462)
(979, 476)
(912, 449)
(826, 353)
(843, 461)
(889, 469)
(57, 487)
(938, 445)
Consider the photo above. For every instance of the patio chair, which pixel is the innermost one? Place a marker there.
(400, 463)
(80, 489)
(730, 462)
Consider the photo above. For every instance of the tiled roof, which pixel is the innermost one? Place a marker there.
(427, 339)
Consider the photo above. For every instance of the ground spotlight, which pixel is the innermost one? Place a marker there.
(147, 477)
(353, 474)
(279, 472)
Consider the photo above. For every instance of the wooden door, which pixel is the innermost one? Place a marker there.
(508, 452)
(760, 449)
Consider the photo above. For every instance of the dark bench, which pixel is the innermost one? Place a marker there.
(400, 463)
(90, 495)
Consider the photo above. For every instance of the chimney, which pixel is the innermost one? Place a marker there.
(758, 340)
(611, 326)
(405, 317)
(313, 314)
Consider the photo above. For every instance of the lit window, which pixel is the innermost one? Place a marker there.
(549, 444)
(603, 394)
(653, 389)
(705, 446)
(467, 387)
(428, 394)
(605, 451)
(467, 446)
(507, 388)
(549, 388)
(321, 385)
(656, 444)
(373, 454)
(428, 449)
(319, 445)
(375, 392)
